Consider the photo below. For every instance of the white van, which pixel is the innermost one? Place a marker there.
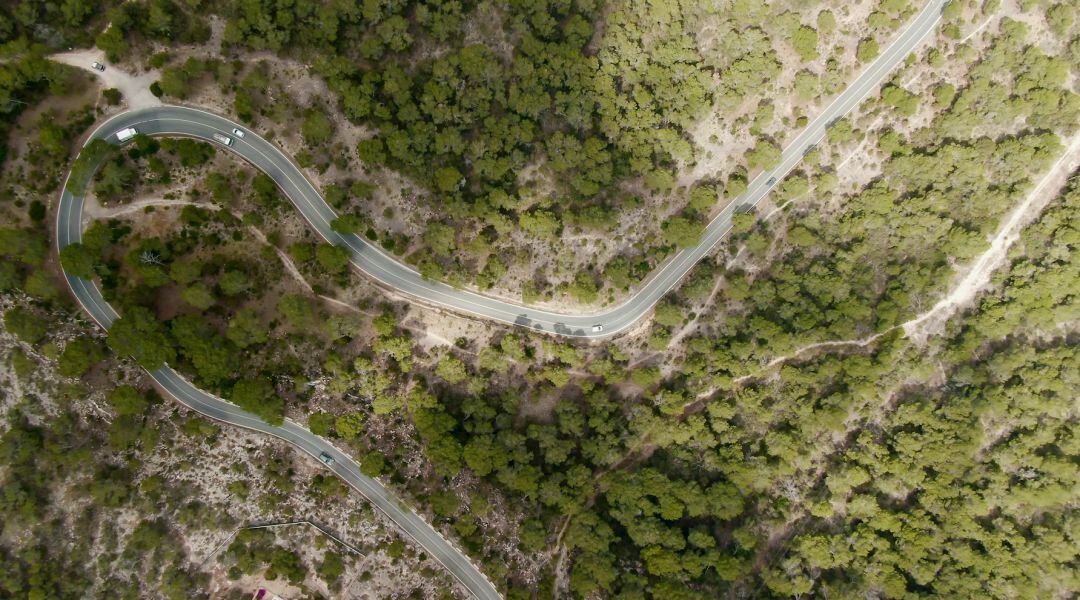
(224, 139)
(126, 134)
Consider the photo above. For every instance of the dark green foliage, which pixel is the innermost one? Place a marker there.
(176, 81)
(165, 21)
(78, 356)
(373, 464)
(583, 288)
(669, 314)
(316, 127)
(333, 259)
(332, 567)
(246, 329)
(114, 179)
(127, 401)
(214, 358)
(35, 459)
(91, 157)
(112, 96)
(26, 75)
(887, 470)
(336, 195)
(147, 261)
(259, 396)
(140, 335)
(222, 187)
(328, 487)
(867, 50)
(321, 423)
(199, 296)
(26, 324)
(253, 549)
(297, 310)
(192, 153)
(78, 260)
(683, 232)
(466, 120)
(349, 223)
(266, 191)
(23, 245)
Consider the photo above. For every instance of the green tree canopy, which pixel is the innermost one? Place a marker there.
(259, 397)
(683, 232)
(141, 336)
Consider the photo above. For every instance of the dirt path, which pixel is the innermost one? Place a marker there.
(917, 329)
(932, 321)
(975, 31)
(93, 210)
(978, 276)
(776, 210)
(135, 88)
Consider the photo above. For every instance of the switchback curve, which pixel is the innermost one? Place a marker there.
(191, 122)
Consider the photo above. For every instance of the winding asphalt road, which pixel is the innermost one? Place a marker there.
(456, 562)
(190, 122)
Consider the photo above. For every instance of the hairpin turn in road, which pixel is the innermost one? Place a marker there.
(190, 122)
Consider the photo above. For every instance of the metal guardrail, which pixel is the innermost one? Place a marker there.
(323, 530)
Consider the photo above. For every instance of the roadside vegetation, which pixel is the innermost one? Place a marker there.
(769, 433)
(528, 135)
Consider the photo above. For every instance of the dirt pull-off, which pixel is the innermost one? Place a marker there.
(134, 88)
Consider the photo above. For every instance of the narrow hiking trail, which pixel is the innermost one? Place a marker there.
(94, 210)
(960, 295)
(931, 322)
(978, 275)
(917, 329)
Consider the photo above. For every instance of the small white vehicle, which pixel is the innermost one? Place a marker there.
(327, 459)
(126, 134)
(597, 328)
(238, 133)
(771, 181)
(224, 139)
(97, 66)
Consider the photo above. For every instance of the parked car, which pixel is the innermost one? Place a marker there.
(97, 66)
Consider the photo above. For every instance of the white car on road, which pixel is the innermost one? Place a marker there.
(97, 66)
(238, 133)
(126, 134)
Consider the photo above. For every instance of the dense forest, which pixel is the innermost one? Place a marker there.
(717, 452)
(525, 122)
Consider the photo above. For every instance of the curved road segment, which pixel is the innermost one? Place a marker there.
(190, 122)
(455, 561)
